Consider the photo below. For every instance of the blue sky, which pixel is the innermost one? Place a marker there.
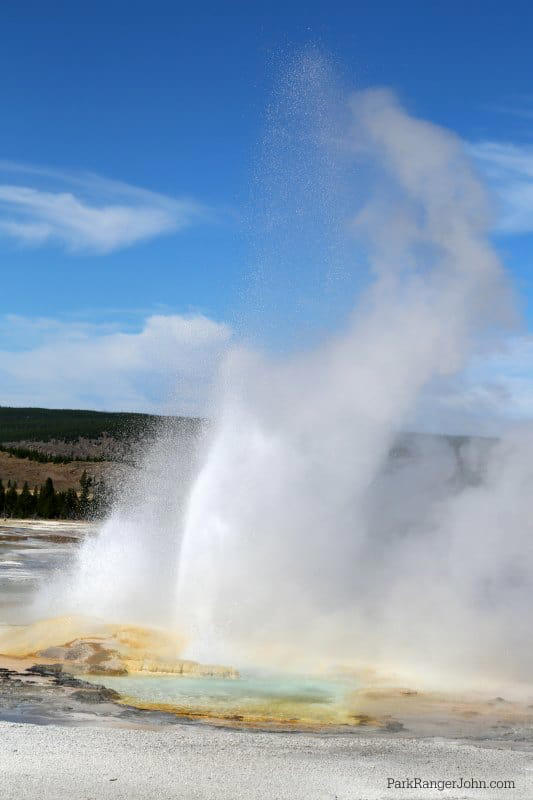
(128, 143)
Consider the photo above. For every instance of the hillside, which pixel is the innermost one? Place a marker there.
(79, 434)
(64, 476)
(104, 444)
(69, 425)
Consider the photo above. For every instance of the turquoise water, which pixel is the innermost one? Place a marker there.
(265, 697)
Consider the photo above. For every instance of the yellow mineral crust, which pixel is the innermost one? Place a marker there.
(98, 648)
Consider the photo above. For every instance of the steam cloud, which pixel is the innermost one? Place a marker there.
(301, 540)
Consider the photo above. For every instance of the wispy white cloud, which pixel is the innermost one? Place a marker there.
(84, 365)
(509, 169)
(85, 212)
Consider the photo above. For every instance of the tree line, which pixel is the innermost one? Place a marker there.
(68, 425)
(44, 502)
(47, 458)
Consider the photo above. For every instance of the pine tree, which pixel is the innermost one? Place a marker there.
(85, 500)
(32, 503)
(102, 498)
(11, 499)
(23, 507)
(71, 505)
(35, 500)
(60, 505)
(47, 503)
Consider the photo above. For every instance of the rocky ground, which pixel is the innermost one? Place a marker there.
(45, 694)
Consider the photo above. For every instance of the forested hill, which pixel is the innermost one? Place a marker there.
(46, 424)
(64, 445)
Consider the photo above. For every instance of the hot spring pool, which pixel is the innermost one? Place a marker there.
(252, 698)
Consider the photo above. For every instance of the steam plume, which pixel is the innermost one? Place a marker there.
(301, 539)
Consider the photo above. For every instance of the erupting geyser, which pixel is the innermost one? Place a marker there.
(296, 538)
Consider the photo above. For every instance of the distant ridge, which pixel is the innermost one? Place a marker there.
(69, 425)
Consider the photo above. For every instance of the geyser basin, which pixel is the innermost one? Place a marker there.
(145, 666)
(334, 703)
(253, 698)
